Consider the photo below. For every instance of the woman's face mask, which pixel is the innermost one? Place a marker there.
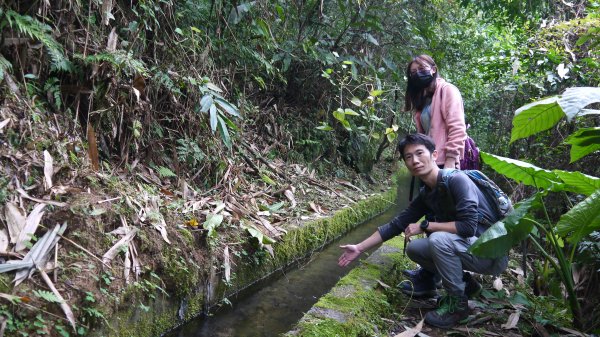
(421, 79)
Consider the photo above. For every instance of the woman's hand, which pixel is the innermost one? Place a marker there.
(351, 252)
(451, 163)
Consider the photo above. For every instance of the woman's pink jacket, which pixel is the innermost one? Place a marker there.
(447, 128)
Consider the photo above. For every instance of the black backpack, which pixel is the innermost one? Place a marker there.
(500, 202)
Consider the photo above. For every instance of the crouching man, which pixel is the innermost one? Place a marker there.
(454, 217)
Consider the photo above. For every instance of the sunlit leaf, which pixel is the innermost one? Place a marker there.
(324, 127)
(575, 99)
(356, 101)
(228, 107)
(583, 142)
(522, 172)
(339, 115)
(536, 117)
(580, 220)
(351, 112)
(375, 93)
(578, 182)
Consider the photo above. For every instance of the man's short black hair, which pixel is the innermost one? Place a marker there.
(416, 138)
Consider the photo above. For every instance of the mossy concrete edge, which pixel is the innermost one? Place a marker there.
(357, 303)
(166, 314)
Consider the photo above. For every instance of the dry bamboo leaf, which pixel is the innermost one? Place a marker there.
(268, 226)
(498, 284)
(135, 262)
(4, 123)
(126, 266)
(92, 144)
(63, 304)
(111, 44)
(4, 240)
(411, 332)
(44, 201)
(48, 170)
(349, 184)
(512, 321)
(107, 6)
(226, 264)
(15, 220)
(114, 250)
(38, 253)
(120, 231)
(290, 196)
(31, 225)
(383, 285)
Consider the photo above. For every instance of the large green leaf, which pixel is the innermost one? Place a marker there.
(578, 182)
(212, 222)
(581, 220)
(224, 132)
(575, 99)
(535, 117)
(497, 240)
(523, 172)
(228, 107)
(213, 117)
(583, 142)
(206, 102)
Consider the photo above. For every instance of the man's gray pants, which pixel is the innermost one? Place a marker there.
(446, 254)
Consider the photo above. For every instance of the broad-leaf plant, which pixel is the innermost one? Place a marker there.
(580, 220)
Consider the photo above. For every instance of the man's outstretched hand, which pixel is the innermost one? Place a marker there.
(351, 252)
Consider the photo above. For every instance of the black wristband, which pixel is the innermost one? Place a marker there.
(424, 224)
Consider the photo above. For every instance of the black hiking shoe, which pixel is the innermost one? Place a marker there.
(451, 310)
(472, 287)
(422, 284)
(412, 273)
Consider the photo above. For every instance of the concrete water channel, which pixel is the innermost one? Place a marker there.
(273, 306)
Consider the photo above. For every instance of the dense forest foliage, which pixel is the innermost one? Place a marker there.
(188, 88)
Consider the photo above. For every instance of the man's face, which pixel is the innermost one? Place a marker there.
(419, 160)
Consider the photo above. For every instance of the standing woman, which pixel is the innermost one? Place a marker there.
(438, 110)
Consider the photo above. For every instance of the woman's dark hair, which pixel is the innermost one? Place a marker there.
(415, 98)
(416, 138)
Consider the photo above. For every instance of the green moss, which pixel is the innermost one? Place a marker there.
(182, 279)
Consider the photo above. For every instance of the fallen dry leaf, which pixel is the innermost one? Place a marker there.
(111, 44)
(512, 321)
(31, 225)
(44, 201)
(116, 248)
(107, 7)
(4, 123)
(4, 240)
(411, 332)
(290, 196)
(498, 284)
(15, 220)
(48, 170)
(226, 264)
(63, 304)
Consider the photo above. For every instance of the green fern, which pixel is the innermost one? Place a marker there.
(165, 172)
(166, 81)
(120, 59)
(39, 31)
(47, 295)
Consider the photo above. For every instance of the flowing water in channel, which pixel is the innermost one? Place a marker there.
(275, 305)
